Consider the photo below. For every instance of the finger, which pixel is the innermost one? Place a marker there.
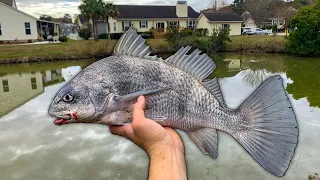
(125, 131)
(138, 118)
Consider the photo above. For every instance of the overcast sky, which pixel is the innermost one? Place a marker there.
(58, 8)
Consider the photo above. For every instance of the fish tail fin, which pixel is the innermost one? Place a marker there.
(268, 126)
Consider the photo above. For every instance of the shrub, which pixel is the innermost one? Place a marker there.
(304, 40)
(1, 42)
(29, 41)
(200, 32)
(176, 38)
(218, 40)
(85, 33)
(63, 38)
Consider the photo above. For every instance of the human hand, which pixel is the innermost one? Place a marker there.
(148, 134)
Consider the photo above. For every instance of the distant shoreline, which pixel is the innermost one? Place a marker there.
(73, 50)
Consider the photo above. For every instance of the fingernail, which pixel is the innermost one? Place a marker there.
(140, 98)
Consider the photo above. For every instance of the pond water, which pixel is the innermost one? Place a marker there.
(32, 147)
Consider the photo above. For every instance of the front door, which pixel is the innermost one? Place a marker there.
(160, 27)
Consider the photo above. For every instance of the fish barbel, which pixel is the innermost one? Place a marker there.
(178, 95)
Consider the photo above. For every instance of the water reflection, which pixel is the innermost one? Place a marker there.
(32, 147)
(19, 87)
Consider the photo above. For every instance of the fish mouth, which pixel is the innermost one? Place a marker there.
(68, 119)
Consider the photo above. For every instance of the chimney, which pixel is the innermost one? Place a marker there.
(182, 9)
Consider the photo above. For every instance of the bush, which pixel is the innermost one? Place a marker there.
(85, 33)
(176, 38)
(218, 40)
(200, 32)
(1, 42)
(63, 38)
(29, 41)
(304, 40)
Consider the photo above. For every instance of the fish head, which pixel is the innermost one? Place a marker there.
(72, 104)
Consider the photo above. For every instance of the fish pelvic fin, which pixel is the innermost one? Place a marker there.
(268, 126)
(207, 140)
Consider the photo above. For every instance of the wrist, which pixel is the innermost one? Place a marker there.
(156, 150)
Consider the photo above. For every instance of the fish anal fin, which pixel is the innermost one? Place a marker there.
(207, 140)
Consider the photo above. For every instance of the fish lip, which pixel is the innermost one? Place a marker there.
(67, 119)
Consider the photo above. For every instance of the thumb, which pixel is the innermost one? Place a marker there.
(138, 118)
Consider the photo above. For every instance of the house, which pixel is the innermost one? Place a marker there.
(218, 21)
(282, 17)
(247, 20)
(145, 17)
(16, 25)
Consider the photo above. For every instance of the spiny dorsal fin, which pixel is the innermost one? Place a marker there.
(199, 66)
(132, 44)
(213, 87)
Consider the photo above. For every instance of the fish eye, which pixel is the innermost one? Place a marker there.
(67, 98)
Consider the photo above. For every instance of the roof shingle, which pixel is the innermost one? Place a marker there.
(151, 12)
(222, 17)
(7, 2)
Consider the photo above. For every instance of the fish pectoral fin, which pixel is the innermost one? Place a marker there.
(135, 95)
(207, 140)
(158, 119)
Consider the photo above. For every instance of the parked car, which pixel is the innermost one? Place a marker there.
(255, 31)
(245, 29)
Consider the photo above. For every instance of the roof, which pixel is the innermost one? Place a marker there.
(152, 12)
(246, 15)
(222, 17)
(15, 9)
(8, 2)
(82, 19)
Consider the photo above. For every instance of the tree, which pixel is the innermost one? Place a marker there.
(304, 40)
(67, 18)
(238, 6)
(261, 10)
(46, 17)
(93, 10)
(109, 11)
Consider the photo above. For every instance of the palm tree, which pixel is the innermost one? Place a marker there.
(92, 9)
(109, 11)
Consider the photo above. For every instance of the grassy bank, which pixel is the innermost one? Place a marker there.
(92, 49)
(259, 44)
(66, 51)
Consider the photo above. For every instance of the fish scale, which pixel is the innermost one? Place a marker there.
(179, 95)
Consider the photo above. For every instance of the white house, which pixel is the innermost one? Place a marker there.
(147, 17)
(248, 21)
(219, 21)
(16, 25)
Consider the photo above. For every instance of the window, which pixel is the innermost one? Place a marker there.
(126, 25)
(191, 24)
(114, 26)
(27, 28)
(33, 83)
(225, 26)
(5, 85)
(143, 24)
(173, 24)
(0, 30)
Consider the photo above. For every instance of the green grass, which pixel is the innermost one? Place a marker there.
(267, 44)
(83, 49)
(70, 50)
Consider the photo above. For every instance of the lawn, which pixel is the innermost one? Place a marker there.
(69, 50)
(96, 49)
(269, 44)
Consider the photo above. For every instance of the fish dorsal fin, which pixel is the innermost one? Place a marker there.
(213, 87)
(132, 44)
(199, 66)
